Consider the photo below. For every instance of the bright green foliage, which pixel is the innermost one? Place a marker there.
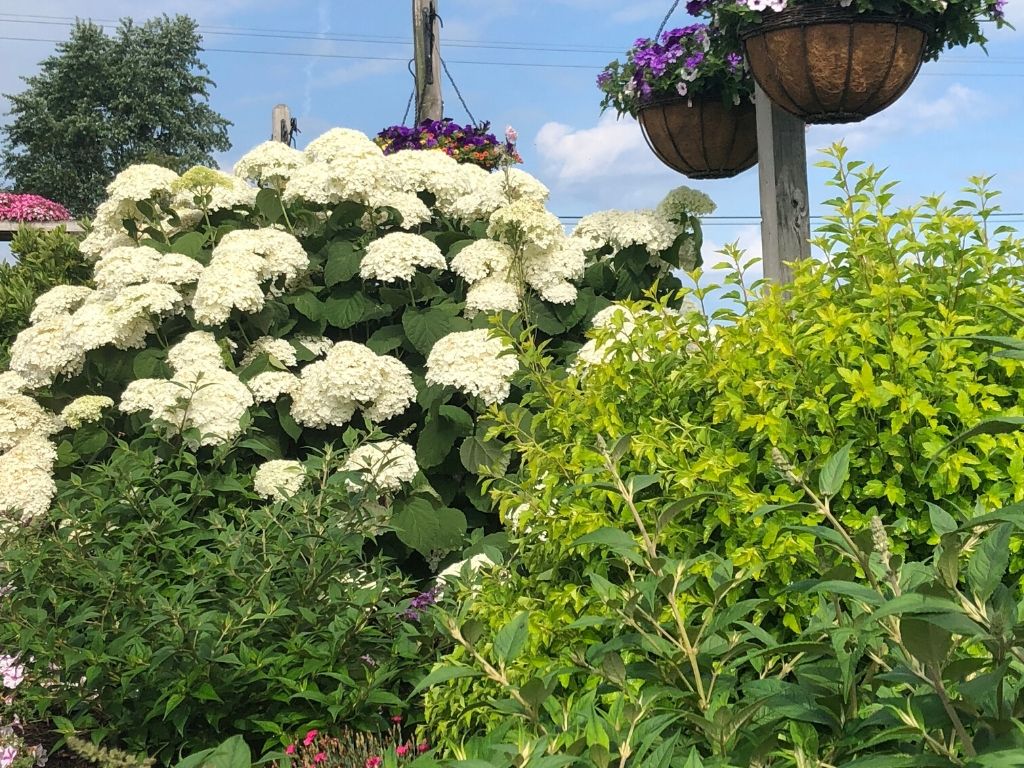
(862, 357)
(160, 605)
(42, 260)
(105, 102)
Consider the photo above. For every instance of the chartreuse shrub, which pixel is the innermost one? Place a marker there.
(349, 287)
(672, 418)
(184, 559)
(41, 260)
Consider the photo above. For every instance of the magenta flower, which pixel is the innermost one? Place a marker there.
(402, 750)
(31, 208)
(310, 738)
(290, 749)
(320, 757)
(371, 762)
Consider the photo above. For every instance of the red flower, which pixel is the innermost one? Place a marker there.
(290, 749)
(423, 747)
(373, 762)
(310, 737)
(396, 719)
(402, 750)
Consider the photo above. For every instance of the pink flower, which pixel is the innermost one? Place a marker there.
(320, 757)
(396, 719)
(310, 738)
(511, 134)
(7, 755)
(290, 749)
(423, 746)
(402, 750)
(371, 762)
(30, 208)
(12, 672)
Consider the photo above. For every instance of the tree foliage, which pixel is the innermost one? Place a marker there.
(104, 102)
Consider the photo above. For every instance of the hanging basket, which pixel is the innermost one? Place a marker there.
(831, 64)
(707, 140)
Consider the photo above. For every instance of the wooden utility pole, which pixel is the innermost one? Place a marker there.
(281, 124)
(782, 166)
(426, 35)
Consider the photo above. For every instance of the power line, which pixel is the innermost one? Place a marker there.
(475, 62)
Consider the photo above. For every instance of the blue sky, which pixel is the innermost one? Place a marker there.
(964, 115)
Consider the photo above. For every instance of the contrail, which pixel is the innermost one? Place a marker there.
(323, 10)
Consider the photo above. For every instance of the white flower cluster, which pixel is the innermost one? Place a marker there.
(351, 376)
(277, 349)
(473, 362)
(622, 229)
(279, 479)
(131, 186)
(386, 465)
(437, 173)
(84, 410)
(127, 265)
(242, 261)
(26, 453)
(201, 395)
(497, 190)
(271, 163)
(684, 201)
(223, 192)
(397, 255)
(617, 318)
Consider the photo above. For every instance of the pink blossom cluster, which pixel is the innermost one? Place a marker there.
(31, 208)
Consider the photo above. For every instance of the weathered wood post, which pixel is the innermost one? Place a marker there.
(426, 35)
(280, 124)
(782, 166)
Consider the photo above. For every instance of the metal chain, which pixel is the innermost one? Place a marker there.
(459, 93)
(408, 105)
(665, 20)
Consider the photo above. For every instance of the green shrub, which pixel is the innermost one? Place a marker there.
(161, 604)
(865, 351)
(42, 259)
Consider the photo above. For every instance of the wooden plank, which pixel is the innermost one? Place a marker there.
(280, 123)
(426, 35)
(8, 229)
(782, 166)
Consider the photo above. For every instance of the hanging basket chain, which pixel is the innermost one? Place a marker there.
(665, 20)
(458, 93)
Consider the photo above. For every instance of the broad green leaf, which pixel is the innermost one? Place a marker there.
(268, 202)
(926, 642)
(423, 527)
(942, 521)
(309, 306)
(424, 327)
(478, 454)
(344, 312)
(386, 339)
(835, 472)
(988, 564)
(442, 675)
(342, 263)
(511, 638)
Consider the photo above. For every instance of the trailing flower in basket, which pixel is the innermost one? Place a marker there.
(691, 61)
(947, 24)
(691, 92)
(466, 143)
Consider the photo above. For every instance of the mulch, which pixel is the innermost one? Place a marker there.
(43, 733)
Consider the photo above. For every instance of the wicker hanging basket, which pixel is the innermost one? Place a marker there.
(829, 64)
(702, 138)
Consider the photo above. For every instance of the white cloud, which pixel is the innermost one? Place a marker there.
(917, 113)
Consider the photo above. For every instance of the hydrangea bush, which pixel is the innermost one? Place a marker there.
(315, 291)
(29, 208)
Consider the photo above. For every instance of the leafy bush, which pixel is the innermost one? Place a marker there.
(390, 268)
(41, 260)
(161, 602)
(865, 353)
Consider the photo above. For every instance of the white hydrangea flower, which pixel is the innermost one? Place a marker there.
(351, 376)
(493, 294)
(45, 350)
(412, 210)
(339, 143)
(551, 271)
(594, 352)
(197, 351)
(317, 345)
(224, 190)
(140, 182)
(211, 402)
(59, 300)
(268, 386)
(386, 465)
(279, 349)
(271, 163)
(124, 318)
(684, 201)
(352, 178)
(475, 363)
(279, 479)
(130, 265)
(622, 229)
(28, 487)
(434, 172)
(473, 566)
(495, 190)
(525, 222)
(84, 410)
(482, 259)
(12, 383)
(397, 255)
(22, 417)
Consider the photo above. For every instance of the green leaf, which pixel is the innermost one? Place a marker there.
(344, 312)
(386, 339)
(615, 539)
(988, 564)
(835, 472)
(423, 527)
(510, 640)
(424, 327)
(443, 675)
(435, 441)
(942, 522)
(268, 202)
(845, 588)
(150, 364)
(232, 753)
(487, 455)
(288, 424)
(926, 642)
(309, 305)
(343, 262)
